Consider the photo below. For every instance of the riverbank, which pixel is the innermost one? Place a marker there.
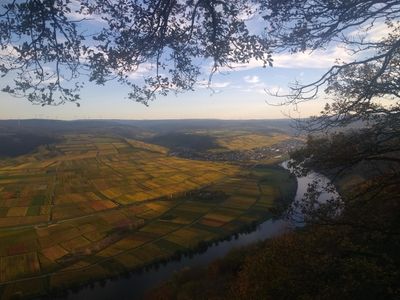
(353, 256)
(154, 273)
(251, 195)
(137, 284)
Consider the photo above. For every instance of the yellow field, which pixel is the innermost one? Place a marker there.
(93, 174)
(250, 141)
(102, 205)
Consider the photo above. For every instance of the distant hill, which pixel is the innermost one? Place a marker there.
(278, 125)
(263, 126)
(19, 137)
(15, 144)
(176, 140)
(78, 126)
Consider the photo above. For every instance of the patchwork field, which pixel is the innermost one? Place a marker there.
(250, 141)
(99, 206)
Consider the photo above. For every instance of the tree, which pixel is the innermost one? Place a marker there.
(355, 85)
(363, 93)
(355, 141)
(50, 47)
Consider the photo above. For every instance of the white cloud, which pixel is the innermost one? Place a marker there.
(373, 33)
(256, 87)
(262, 88)
(379, 31)
(213, 85)
(77, 15)
(319, 59)
(221, 84)
(314, 60)
(275, 89)
(8, 51)
(142, 70)
(251, 79)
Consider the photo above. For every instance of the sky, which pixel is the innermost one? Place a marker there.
(239, 94)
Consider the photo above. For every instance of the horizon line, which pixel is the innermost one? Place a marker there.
(166, 119)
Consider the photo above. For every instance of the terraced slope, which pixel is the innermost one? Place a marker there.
(93, 207)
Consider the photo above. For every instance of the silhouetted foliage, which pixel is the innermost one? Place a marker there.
(363, 93)
(50, 48)
(349, 250)
(356, 86)
(48, 45)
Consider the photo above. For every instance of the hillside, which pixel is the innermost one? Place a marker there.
(91, 206)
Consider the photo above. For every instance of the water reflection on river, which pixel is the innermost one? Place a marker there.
(137, 284)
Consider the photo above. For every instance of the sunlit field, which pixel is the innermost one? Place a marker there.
(250, 141)
(100, 206)
(179, 150)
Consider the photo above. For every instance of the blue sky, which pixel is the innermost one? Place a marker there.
(239, 94)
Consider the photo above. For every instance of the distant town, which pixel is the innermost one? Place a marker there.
(261, 153)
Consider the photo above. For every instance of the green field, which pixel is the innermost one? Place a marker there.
(92, 207)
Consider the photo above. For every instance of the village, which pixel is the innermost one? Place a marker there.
(260, 153)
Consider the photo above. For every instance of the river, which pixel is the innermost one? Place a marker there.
(137, 284)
